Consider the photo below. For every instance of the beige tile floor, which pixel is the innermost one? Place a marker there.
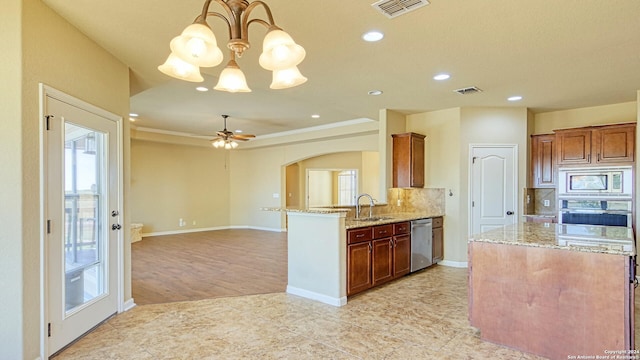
(422, 316)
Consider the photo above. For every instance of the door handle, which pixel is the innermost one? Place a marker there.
(509, 212)
(114, 213)
(116, 227)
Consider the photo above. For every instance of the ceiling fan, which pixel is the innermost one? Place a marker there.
(227, 139)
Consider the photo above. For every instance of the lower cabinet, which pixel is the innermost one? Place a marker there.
(438, 240)
(376, 255)
(359, 267)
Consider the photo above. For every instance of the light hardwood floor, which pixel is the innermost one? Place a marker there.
(207, 265)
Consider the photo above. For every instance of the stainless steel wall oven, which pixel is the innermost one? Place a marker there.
(596, 196)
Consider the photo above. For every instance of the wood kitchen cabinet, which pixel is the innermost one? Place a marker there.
(376, 255)
(359, 260)
(438, 239)
(610, 144)
(543, 161)
(408, 160)
(614, 143)
(401, 249)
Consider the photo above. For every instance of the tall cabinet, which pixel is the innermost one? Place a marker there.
(408, 160)
(543, 161)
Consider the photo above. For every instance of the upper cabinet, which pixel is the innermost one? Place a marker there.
(611, 144)
(543, 161)
(408, 160)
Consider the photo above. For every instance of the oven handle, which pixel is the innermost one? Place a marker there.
(594, 211)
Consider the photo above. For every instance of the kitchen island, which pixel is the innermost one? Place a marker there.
(554, 290)
(317, 249)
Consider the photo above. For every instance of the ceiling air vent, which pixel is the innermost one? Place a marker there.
(395, 8)
(468, 90)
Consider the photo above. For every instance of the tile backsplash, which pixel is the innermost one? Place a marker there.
(537, 200)
(409, 200)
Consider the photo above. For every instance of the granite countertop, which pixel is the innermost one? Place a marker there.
(319, 210)
(540, 215)
(350, 223)
(614, 240)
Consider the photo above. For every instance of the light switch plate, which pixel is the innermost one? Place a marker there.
(547, 203)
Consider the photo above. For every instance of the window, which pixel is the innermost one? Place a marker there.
(347, 187)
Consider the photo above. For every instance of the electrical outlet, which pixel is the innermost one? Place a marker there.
(528, 199)
(547, 203)
(181, 222)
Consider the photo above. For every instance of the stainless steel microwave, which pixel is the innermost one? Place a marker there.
(613, 181)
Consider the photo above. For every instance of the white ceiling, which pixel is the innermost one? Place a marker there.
(556, 54)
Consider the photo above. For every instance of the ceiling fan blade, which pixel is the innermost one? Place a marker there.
(221, 133)
(237, 138)
(243, 136)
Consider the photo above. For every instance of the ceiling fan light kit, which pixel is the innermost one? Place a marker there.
(197, 47)
(227, 139)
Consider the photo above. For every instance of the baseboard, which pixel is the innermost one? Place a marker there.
(128, 305)
(315, 296)
(256, 228)
(186, 231)
(455, 264)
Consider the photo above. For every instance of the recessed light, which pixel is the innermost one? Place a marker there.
(441, 77)
(375, 92)
(315, 116)
(373, 36)
(133, 115)
(238, 131)
(132, 119)
(515, 98)
(202, 88)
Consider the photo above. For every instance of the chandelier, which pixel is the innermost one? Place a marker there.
(197, 47)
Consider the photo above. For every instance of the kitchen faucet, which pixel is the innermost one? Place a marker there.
(358, 205)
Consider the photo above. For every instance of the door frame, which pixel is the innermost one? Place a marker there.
(516, 173)
(44, 91)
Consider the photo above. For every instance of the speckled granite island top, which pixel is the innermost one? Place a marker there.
(614, 240)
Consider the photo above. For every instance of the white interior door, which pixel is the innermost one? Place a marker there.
(493, 187)
(81, 207)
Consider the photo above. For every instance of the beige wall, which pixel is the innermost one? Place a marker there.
(442, 170)
(546, 122)
(12, 254)
(173, 181)
(391, 122)
(39, 46)
(263, 171)
(449, 134)
(292, 190)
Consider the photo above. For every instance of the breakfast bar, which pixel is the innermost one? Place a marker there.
(554, 290)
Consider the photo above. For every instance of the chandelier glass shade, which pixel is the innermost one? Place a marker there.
(197, 47)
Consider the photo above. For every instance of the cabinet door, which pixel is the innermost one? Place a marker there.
(574, 147)
(382, 260)
(358, 267)
(614, 144)
(417, 161)
(401, 255)
(543, 161)
(438, 244)
(408, 160)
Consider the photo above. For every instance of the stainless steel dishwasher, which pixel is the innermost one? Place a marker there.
(421, 244)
